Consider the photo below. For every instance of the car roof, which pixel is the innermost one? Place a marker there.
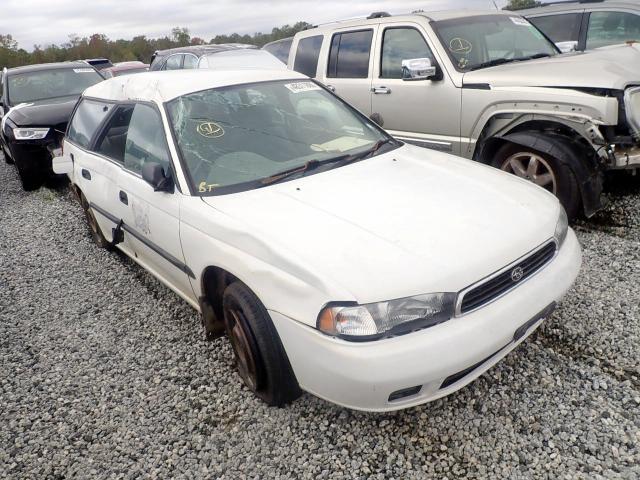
(577, 5)
(47, 66)
(435, 15)
(204, 49)
(163, 86)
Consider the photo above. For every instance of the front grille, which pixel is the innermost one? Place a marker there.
(501, 283)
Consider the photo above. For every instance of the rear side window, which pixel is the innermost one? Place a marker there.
(174, 62)
(86, 120)
(307, 55)
(559, 28)
(349, 54)
(190, 62)
(401, 44)
(610, 28)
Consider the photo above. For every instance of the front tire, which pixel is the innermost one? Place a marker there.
(544, 170)
(30, 179)
(260, 357)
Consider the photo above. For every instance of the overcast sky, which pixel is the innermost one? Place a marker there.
(44, 22)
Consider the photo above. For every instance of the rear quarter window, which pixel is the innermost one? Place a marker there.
(349, 54)
(86, 120)
(307, 55)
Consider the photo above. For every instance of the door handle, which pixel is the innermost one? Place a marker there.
(331, 88)
(123, 197)
(86, 174)
(379, 90)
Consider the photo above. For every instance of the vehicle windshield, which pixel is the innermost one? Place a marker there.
(45, 84)
(239, 137)
(487, 40)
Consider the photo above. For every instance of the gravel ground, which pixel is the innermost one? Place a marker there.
(104, 373)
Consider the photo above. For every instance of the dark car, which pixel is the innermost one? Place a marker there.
(36, 102)
(188, 57)
(280, 49)
(125, 68)
(99, 63)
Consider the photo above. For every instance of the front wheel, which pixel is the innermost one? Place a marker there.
(30, 178)
(259, 355)
(542, 169)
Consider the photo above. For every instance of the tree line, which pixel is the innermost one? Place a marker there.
(138, 48)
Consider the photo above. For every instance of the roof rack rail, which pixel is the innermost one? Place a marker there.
(378, 15)
(560, 2)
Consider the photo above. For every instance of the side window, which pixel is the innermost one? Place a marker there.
(307, 55)
(559, 28)
(610, 28)
(174, 62)
(349, 55)
(86, 120)
(190, 62)
(280, 49)
(113, 142)
(145, 140)
(401, 44)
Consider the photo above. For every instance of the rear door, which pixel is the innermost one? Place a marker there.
(349, 66)
(92, 173)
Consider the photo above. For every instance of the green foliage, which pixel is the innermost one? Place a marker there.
(520, 4)
(138, 48)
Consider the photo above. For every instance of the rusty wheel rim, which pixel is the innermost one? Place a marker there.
(243, 347)
(532, 167)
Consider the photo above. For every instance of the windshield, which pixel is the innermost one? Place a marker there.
(487, 40)
(231, 138)
(45, 84)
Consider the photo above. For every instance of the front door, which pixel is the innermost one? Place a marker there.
(423, 112)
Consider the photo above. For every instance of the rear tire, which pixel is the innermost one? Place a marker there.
(260, 357)
(94, 229)
(544, 170)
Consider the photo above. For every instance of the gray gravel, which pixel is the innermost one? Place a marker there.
(104, 373)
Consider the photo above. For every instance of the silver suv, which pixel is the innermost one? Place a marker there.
(587, 24)
(491, 87)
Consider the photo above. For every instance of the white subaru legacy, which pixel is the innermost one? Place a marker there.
(337, 260)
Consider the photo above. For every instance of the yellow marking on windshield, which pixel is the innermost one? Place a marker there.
(210, 130)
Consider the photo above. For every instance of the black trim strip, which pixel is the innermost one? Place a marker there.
(477, 86)
(159, 250)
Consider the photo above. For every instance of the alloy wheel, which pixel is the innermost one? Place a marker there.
(532, 167)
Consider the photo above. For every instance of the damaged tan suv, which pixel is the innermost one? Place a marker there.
(491, 87)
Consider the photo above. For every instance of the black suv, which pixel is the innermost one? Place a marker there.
(36, 102)
(188, 57)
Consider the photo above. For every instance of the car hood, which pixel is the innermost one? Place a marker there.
(54, 112)
(405, 222)
(613, 67)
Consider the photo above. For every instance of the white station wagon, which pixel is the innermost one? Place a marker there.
(338, 260)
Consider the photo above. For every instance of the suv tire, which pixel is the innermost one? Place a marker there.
(30, 178)
(544, 170)
(260, 357)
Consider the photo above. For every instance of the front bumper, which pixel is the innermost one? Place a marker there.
(363, 375)
(32, 155)
(626, 157)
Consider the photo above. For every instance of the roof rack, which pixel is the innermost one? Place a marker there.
(378, 15)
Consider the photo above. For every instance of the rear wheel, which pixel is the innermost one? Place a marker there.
(260, 357)
(94, 228)
(544, 170)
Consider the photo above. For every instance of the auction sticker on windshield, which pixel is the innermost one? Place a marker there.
(298, 87)
(83, 70)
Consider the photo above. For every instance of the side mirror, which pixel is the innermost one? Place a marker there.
(566, 47)
(154, 175)
(418, 69)
(62, 165)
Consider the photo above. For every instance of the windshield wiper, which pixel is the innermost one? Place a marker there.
(312, 164)
(500, 61)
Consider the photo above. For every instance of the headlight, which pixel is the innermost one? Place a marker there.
(375, 320)
(632, 109)
(561, 227)
(30, 133)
